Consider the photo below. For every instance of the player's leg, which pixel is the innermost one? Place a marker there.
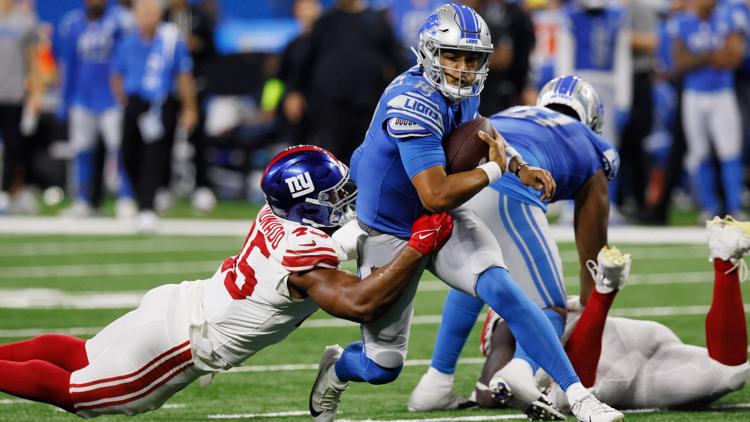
(379, 357)
(472, 262)
(110, 126)
(697, 161)
(66, 352)
(584, 345)
(36, 380)
(726, 133)
(83, 132)
(726, 331)
(138, 361)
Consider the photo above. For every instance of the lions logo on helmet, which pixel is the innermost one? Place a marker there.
(309, 185)
(454, 27)
(577, 94)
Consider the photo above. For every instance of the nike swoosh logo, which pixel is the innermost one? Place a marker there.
(423, 236)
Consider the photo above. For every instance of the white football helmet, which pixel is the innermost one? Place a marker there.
(577, 94)
(454, 27)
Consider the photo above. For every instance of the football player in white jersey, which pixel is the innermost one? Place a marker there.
(286, 269)
(635, 364)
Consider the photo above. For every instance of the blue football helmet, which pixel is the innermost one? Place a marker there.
(577, 94)
(454, 27)
(309, 185)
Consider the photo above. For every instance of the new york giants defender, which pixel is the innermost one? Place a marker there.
(708, 46)
(559, 134)
(84, 46)
(286, 269)
(637, 364)
(400, 171)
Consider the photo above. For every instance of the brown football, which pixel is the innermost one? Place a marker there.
(463, 148)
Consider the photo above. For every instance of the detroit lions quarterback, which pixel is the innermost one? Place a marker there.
(400, 172)
(286, 269)
(560, 134)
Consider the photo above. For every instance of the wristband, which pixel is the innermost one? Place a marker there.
(520, 166)
(493, 171)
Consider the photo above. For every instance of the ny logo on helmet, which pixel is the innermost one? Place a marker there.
(300, 184)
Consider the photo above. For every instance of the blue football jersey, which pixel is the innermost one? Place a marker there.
(700, 37)
(565, 147)
(85, 50)
(595, 36)
(404, 138)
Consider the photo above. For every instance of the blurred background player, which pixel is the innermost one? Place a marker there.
(637, 364)
(150, 65)
(178, 333)
(560, 134)
(85, 45)
(708, 47)
(400, 171)
(20, 93)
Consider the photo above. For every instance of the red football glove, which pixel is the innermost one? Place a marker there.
(430, 232)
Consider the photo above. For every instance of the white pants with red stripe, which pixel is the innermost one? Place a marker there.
(138, 361)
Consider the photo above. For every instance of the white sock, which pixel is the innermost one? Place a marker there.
(439, 377)
(576, 392)
(334, 379)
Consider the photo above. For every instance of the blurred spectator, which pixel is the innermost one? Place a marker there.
(513, 37)
(644, 23)
(547, 19)
(296, 129)
(198, 29)
(352, 55)
(708, 48)
(86, 42)
(150, 64)
(20, 77)
(742, 86)
(407, 18)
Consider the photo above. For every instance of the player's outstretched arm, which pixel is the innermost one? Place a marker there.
(590, 224)
(345, 295)
(441, 192)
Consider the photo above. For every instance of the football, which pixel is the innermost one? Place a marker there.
(463, 148)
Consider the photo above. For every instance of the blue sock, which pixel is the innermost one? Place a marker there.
(731, 179)
(354, 365)
(84, 174)
(557, 323)
(527, 322)
(460, 313)
(704, 181)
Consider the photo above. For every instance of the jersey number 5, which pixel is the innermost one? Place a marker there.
(245, 290)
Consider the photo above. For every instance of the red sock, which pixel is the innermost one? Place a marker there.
(67, 352)
(726, 333)
(585, 343)
(36, 380)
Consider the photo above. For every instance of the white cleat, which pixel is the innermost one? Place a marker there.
(611, 269)
(514, 384)
(590, 409)
(435, 392)
(728, 239)
(79, 209)
(125, 208)
(203, 200)
(147, 222)
(327, 389)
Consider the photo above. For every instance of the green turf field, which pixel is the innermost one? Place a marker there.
(123, 267)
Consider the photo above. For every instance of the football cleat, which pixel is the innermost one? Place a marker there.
(517, 377)
(327, 389)
(611, 270)
(728, 239)
(435, 392)
(590, 409)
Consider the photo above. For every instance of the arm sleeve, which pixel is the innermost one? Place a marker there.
(418, 154)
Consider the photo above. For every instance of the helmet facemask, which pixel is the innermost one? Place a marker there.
(338, 200)
(435, 71)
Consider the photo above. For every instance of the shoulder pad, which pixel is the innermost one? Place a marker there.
(307, 248)
(418, 109)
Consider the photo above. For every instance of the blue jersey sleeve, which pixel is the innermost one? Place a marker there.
(183, 62)
(418, 154)
(118, 64)
(425, 114)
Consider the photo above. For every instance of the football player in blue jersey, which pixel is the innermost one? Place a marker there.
(560, 134)
(85, 45)
(400, 172)
(708, 47)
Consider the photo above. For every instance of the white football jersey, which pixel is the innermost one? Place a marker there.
(246, 306)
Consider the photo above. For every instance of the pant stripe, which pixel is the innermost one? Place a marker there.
(559, 297)
(523, 247)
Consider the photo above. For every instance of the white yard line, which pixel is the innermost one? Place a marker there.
(199, 227)
(114, 247)
(94, 270)
(418, 320)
